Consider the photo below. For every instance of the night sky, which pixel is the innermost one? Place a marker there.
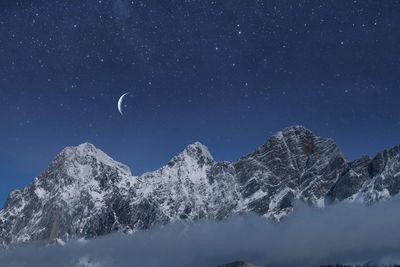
(225, 73)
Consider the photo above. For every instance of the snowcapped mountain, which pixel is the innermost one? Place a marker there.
(369, 180)
(85, 193)
(70, 195)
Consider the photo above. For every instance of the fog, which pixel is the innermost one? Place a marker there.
(344, 233)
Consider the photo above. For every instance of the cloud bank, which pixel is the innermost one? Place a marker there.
(344, 233)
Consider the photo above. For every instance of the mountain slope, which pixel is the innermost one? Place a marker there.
(68, 197)
(293, 164)
(369, 180)
(85, 193)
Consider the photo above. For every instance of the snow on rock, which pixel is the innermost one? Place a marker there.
(85, 193)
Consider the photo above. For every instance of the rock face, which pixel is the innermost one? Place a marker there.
(85, 193)
(369, 180)
(293, 164)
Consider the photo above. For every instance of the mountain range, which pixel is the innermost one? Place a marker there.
(84, 193)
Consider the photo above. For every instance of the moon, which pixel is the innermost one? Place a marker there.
(121, 99)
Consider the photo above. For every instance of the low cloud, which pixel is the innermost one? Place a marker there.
(344, 233)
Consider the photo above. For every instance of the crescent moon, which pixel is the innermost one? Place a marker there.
(120, 103)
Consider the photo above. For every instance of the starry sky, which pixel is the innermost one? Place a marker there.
(226, 73)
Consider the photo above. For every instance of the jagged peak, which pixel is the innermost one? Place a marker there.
(83, 150)
(294, 130)
(87, 146)
(296, 140)
(196, 152)
(76, 153)
(295, 134)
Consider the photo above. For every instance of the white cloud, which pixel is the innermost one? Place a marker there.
(345, 233)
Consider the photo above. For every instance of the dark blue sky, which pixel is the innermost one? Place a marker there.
(225, 73)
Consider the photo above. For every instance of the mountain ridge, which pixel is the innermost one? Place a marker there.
(85, 193)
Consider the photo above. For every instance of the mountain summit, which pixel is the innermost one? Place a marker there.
(85, 193)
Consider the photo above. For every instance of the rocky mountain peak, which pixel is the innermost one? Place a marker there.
(296, 145)
(86, 155)
(383, 159)
(297, 139)
(77, 168)
(296, 130)
(78, 183)
(198, 150)
(293, 164)
(196, 153)
(84, 148)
